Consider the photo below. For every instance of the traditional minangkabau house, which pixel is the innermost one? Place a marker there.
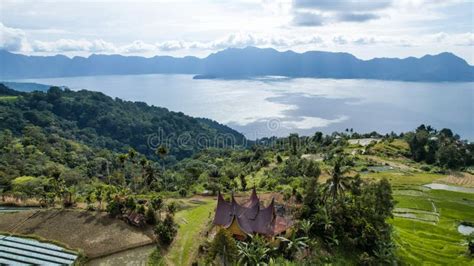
(249, 218)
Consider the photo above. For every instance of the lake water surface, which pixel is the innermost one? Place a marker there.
(278, 106)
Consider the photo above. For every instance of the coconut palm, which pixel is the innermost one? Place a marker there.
(162, 151)
(338, 182)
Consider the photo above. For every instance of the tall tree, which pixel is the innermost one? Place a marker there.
(338, 182)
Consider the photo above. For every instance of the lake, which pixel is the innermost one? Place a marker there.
(278, 106)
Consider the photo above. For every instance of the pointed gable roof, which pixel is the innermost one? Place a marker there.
(253, 197)
(249, 217)
(223, 211)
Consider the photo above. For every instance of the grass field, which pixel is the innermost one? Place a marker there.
(8, 98)
(192, 221)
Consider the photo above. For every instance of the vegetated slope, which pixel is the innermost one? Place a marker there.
(25, 86)
(241, 63)
(103, 122)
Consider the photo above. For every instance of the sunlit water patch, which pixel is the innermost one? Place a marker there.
(465, 229)
(450, 188)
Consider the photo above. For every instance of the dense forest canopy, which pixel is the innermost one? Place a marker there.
(101, 121)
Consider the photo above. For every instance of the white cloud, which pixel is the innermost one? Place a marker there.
(68, 45)
(344, 5)
(137, 47)
(364, 41)
(12, 39)
(465, 39)
(238, 40)
(456, 39)
(356, 17)
(340, 40)
(171, 45)
(304, 18)
(321, 12)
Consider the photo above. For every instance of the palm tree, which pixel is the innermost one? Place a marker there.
(338, 182)
(132, 154)
(122, 158)
(149, 175)
(306, 226)
(294, 244)
(162, 151)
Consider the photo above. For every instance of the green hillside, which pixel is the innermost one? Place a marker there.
(100, 121)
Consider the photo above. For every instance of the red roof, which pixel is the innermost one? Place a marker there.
(250, 217)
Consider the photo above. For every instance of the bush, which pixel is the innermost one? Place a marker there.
(166, 230)
(426, 168)
(224, 247)
(279, 159)
(155, 258)
(470, 243)
(114, 208)
(130, 203)
(157, 202)
(140, 209)
(183, 192)
(150, 216)
(172, 207)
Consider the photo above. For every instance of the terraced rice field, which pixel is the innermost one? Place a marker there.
(426, 227)
(426, 220)
(24, 251)
(463, 179)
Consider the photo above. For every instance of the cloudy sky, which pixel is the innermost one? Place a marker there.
(370, 28)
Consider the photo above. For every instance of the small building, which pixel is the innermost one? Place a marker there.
(249, 218)
(134, 218)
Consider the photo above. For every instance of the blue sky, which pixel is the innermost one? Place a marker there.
(376, 28)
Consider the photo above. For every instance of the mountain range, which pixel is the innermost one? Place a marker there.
(243, 63)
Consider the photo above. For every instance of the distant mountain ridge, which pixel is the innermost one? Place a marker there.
(243, 63)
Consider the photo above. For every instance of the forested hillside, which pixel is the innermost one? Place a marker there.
(100, 121)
